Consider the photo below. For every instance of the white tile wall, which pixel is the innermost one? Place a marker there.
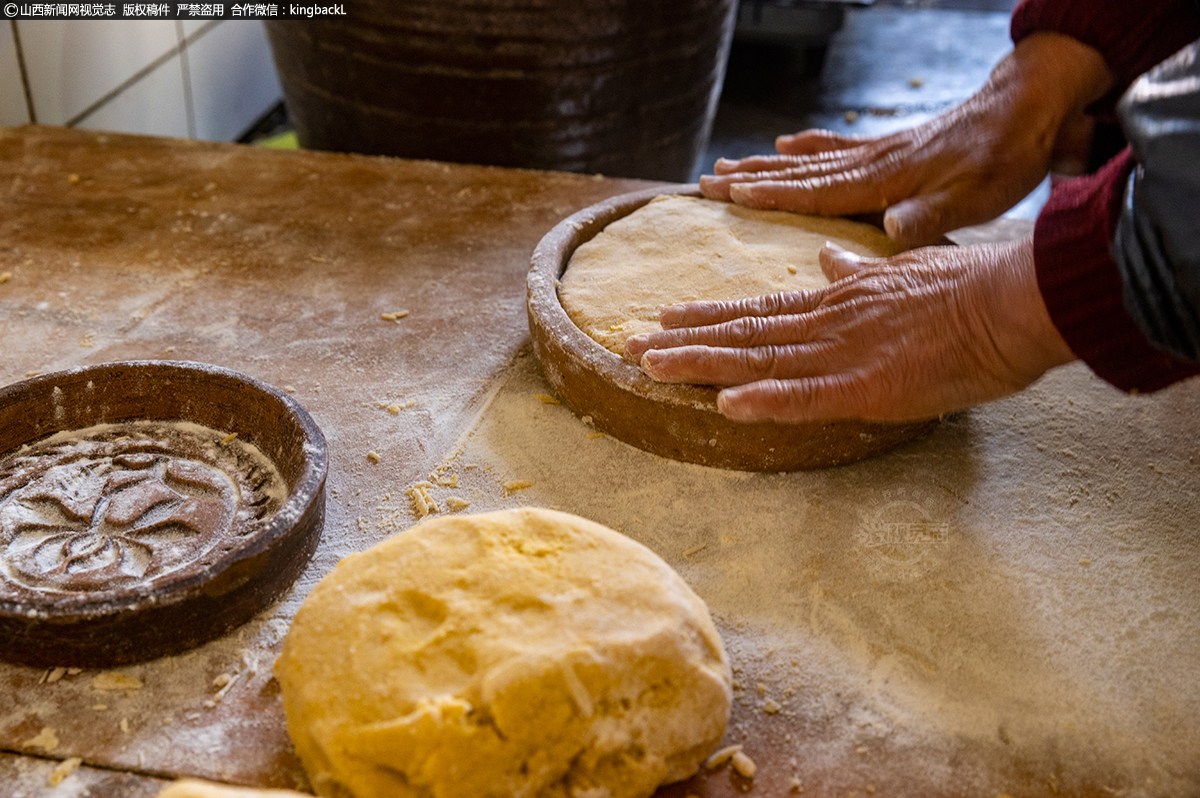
(73, 63)
(153, 105)
(233, 79)
(130, 76)
(191, 26)
(13, 110)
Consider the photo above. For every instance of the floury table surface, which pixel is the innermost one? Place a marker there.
(1004, 607)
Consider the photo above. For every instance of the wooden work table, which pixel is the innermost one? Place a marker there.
(1036, 636)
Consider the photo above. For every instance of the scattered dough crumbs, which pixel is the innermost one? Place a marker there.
(229, 437)
(516, 485)
(455, 503)
(550, 400)
(722, 756)
(46, 739)
(744, 765)
(396, 316)
(222, 684)
(64, 769)
(5, 277)
(393, 407)
(423, 503)
(771, 706)
(116, 681)
(699, 547)
(374, 457)
(88, 340)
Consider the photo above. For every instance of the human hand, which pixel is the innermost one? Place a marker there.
(963, 167)
(891, 339)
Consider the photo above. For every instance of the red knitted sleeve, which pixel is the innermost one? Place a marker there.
(1076, 274)
(1131, 36)
(1081, 285)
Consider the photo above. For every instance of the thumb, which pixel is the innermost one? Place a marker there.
(916, 221)
(839, 263)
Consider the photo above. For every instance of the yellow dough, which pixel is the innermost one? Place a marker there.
(515, 653)
(681, 249)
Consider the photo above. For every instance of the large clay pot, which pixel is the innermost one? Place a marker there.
(620, 87)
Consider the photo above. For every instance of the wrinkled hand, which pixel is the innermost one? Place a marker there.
(964, 167)
(909, 337)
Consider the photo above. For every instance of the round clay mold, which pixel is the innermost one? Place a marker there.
(676, 421)
(135, 523)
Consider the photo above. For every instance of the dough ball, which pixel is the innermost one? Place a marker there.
(516, 653)
(681, 249)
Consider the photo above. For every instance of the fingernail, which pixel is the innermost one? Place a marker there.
(838, 249)
(650, 362)
(895, 223)
(741, 191)
(635, 346)
(729, 406)
(670, 316)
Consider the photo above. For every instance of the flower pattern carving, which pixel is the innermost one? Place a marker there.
(94, 515)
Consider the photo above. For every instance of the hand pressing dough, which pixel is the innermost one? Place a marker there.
(516, 653)
(680, 249)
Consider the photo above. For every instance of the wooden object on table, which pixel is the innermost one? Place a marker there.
(622, 88)
(676, 421)
(1000, 607)
(280, 265)
(96, 580)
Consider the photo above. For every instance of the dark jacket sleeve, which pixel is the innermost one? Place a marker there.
(1157, 240)
(1082, 286)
